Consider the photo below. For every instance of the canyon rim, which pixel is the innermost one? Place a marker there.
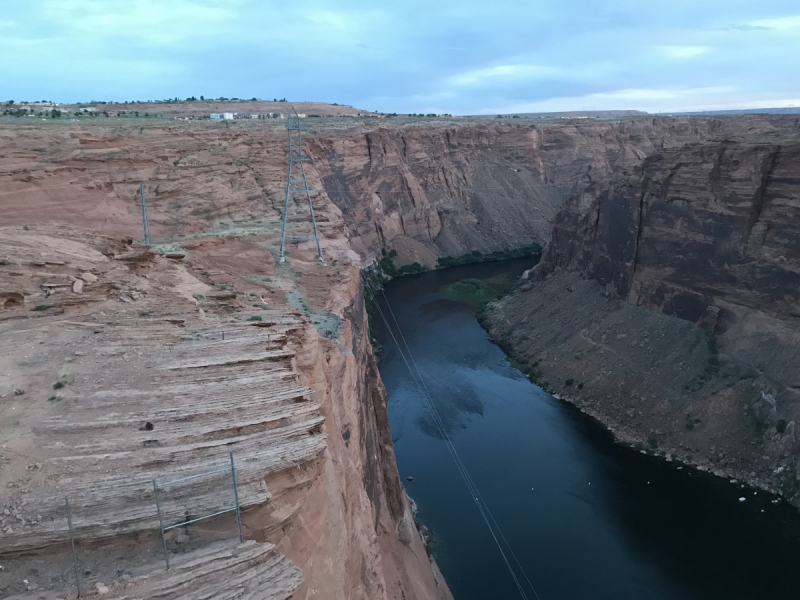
(665, 305)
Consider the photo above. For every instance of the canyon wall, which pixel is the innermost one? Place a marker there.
(665, 305)
(125, 364)
(441, 190)
(701, 228)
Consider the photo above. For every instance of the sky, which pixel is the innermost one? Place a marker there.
(440, 56)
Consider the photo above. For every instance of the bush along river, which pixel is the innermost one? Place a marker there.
(587, 518)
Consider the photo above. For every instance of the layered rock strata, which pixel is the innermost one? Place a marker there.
(705, 232)
(155, 368)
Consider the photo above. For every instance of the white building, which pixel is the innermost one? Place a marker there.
(222, 116)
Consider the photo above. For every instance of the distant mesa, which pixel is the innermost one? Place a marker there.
(573, 114)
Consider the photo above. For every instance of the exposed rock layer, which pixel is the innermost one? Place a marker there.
(705, 231)
(154, 367)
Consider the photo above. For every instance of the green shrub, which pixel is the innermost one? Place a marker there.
(389, 269)
(254, 318)
(569, 382)
(533, 250)
(472, 291)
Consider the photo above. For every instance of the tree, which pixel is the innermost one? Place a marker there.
(201, 98)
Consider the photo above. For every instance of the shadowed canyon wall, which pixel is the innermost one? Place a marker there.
(703, 228)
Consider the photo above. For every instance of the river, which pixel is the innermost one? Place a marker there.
(587, 518)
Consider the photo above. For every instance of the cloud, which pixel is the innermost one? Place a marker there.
(647, 99)
(746, 27)
(152, 21)
(502, 73)
(781, 24)
(683, 52)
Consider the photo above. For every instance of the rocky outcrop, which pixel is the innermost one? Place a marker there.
(701, 231)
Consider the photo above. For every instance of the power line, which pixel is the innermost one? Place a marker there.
(466, 474)
(396, 192)
(299, 185)
(145, 226)
(472, 488)
(482, 508)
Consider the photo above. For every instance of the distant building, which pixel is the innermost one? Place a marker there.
(222, 116)
(245, 116)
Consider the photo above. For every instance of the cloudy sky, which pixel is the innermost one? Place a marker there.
(464, 57)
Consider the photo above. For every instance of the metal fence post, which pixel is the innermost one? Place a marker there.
(161, 523)
(236, 497)
(72, 539)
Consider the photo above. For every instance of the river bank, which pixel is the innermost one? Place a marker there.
(658, 382)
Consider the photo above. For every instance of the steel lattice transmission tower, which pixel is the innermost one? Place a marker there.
(145, 226)
(296, 183)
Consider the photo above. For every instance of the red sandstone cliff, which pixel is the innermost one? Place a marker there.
(216, 349)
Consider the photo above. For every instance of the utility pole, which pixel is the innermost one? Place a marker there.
(296, 183)
(145, 227)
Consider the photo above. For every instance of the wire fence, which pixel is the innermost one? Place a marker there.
(151, 521)
(161, 495)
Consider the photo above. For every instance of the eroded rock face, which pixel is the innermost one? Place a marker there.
(690, 226)
(166, 360)
(705, 231)
(441, 191)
